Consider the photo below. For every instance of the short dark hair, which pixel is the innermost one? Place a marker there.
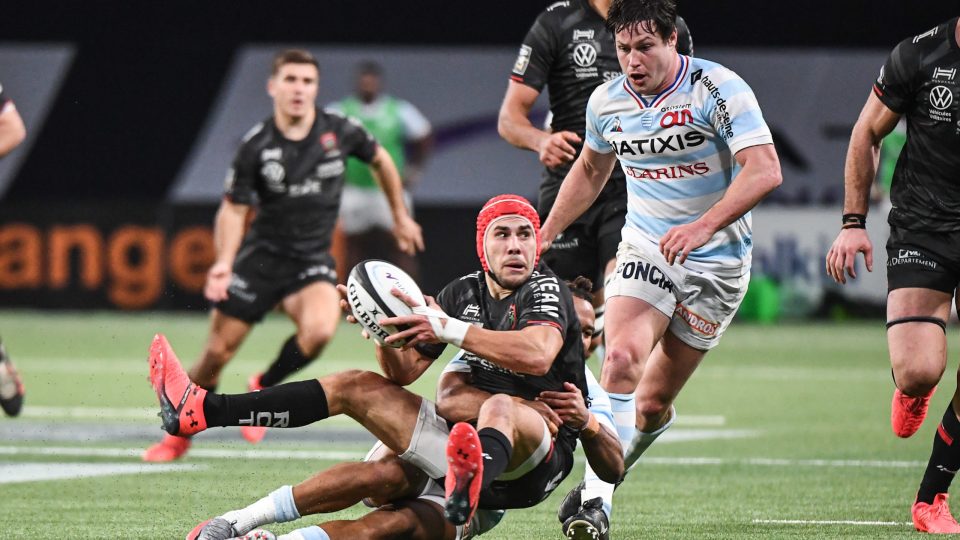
(293, 56)
(654, 16)
(369, 67)
(581, 287)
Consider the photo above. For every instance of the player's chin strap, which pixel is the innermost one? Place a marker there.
(935, 320)
(452, 332)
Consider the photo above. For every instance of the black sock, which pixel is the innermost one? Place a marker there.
(944, 460)
(288, 405)
(495, 445)
(290, 360)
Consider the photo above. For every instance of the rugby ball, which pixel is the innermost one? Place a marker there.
(370, 299)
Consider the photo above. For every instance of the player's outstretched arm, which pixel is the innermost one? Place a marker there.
(579, 189)
(875, 122)
(228, 230)
(515, 127)
(405, 229)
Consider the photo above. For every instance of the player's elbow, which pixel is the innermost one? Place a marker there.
(770, 174)
(610, 471)
(539, 363)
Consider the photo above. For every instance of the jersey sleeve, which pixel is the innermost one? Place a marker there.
(732, 108)
(240, 184)
(446, 301)
(896, 84)
(357, 141)
(537, 54)
(415, 124)
(541, 303)
(594, 130)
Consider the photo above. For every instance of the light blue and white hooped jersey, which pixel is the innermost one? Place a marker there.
(677, 150)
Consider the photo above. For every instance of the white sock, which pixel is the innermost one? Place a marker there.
(277, 507)
(594, 487)
(624, 407)
(306, 533)
(643, 440)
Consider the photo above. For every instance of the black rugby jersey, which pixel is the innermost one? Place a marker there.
(297, 183)
(544, 299)
(921, 81)
(570, 50)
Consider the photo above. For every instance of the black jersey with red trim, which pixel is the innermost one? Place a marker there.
(543, 300)
(570, 50)
(296, 183)
(921, 81)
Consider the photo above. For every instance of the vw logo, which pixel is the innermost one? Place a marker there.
(584, 55)
(941, 97)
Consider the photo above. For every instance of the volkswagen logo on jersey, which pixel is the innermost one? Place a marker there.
(584, 54)
(273, 173)
(941, 97)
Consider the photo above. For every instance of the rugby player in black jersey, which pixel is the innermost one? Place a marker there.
(519, 333)
(408, 504)
(918, 82)
(292, 164)
(12, 133)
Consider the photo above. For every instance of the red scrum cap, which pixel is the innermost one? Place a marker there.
(503, 206)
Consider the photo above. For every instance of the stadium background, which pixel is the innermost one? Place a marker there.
(134, 111)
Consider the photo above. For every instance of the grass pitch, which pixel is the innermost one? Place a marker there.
(783, 433)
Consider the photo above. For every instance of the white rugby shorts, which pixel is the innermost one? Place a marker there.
(364, 209)
(700, 304)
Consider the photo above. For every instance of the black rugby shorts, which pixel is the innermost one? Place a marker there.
(262, 278)
(928, 260)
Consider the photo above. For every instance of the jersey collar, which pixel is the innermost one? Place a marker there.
(662, 96)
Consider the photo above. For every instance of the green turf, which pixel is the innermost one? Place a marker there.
(810, 392)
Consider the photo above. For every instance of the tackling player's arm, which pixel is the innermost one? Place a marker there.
(459, 401)
(579, 189)
(876, 121)
(405, 229)
(600, 442)
(759, 175)
(12, 130)
(515, 127)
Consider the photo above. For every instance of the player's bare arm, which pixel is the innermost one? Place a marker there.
(580, 188)
(515, 127)
(227, 235)
(759, 175)
(12, 130)
(402, 366)
(600, 444)
(875, 122)
(458, 401)
(405, 229)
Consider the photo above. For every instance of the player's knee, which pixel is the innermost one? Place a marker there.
(498, 405)
(622, 362)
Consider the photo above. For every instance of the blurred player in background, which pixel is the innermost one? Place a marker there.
(570, 51)
(697, 156)
(12, 133)
(293, 165)
(405, 133)
(918, 82)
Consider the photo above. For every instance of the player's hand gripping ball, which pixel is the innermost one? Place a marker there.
(370, 299)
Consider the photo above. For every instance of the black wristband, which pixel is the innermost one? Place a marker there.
(854, 221)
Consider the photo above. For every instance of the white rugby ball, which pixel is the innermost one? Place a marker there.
(370, 299)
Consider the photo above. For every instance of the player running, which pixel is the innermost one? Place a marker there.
(697, 155)
(918, 82)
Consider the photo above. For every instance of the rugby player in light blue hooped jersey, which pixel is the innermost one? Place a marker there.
(697, 156)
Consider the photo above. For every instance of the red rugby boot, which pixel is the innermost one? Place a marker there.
(464, 473)
(907, 413)
(181, 401)
(169, 448)
(934, 518)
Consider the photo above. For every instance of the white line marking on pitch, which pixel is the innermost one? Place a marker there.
(341, 455)
(829, 522)
(14, 473)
